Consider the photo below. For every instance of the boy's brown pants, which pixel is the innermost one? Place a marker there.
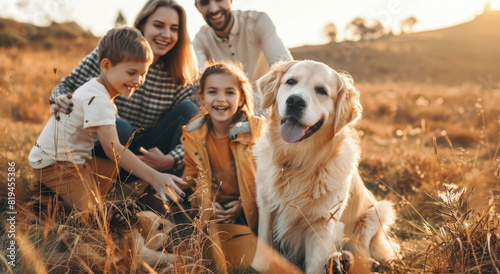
(79, 186)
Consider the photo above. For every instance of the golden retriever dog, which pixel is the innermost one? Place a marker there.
(149, 237)
(313, 205)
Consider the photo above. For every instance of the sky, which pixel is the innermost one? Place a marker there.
(298, 22)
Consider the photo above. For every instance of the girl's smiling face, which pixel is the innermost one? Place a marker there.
(161, 29)
(221, 98)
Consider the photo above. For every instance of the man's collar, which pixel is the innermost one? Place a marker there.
(236, 26)
(234, 29)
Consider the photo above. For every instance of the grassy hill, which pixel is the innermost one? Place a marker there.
(467, 52)
(58, 35)
(463, 53)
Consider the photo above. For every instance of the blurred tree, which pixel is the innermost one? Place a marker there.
(358, 30)
(407, 24)
(354, 29)
(120, 20)
(43, 12)
(487, 6)
(375, 30)
(330, 32)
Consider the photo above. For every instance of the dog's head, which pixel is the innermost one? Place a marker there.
(308, 97)
(153, 228)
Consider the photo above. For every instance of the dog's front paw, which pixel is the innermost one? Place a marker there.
(340, 262)
(374, 264)
(122, 213)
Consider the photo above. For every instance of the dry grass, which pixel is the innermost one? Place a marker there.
(468, 240)
(50, 240)
(28, 77)
(465, 52)
(418, 140)
(440, 229)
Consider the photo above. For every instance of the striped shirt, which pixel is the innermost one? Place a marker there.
(155, 98)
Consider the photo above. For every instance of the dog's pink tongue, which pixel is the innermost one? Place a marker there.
(292, 131)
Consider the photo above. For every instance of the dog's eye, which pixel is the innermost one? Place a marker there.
(321, 90)
(291, 82)
(160, 227)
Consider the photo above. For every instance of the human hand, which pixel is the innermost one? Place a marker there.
(229, 212)
(219, 211)
(156, 159)
(61, 104)
(167, 187)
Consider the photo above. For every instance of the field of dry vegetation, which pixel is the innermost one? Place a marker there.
(432, 149)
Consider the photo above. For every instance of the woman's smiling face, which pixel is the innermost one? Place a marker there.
(161, 29)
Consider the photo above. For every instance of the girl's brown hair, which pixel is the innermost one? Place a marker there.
(234, 69)
(180, 60)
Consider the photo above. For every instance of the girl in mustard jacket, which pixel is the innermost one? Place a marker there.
(218, 146)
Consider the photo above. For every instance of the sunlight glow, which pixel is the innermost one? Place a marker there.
(298, 22)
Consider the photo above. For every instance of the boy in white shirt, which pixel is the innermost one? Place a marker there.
(62, 156)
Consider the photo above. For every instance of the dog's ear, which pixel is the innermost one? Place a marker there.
(347, 105)
(269, 83)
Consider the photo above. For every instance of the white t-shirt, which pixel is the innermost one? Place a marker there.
(71, 139)
(253, 41)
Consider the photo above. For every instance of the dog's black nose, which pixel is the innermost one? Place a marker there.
(295, 102)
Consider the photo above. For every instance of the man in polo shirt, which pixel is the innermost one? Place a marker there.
(248, 37)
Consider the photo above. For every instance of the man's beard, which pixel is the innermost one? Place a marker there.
(228, 16)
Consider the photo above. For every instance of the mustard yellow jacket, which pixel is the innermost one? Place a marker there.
(197, 172)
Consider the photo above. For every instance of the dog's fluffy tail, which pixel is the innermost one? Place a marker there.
(371, 236)
(382, 246)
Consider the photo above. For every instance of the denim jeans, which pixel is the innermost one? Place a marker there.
(165, 135)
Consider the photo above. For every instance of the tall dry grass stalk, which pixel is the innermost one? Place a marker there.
(51, 240)
(468, 240)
